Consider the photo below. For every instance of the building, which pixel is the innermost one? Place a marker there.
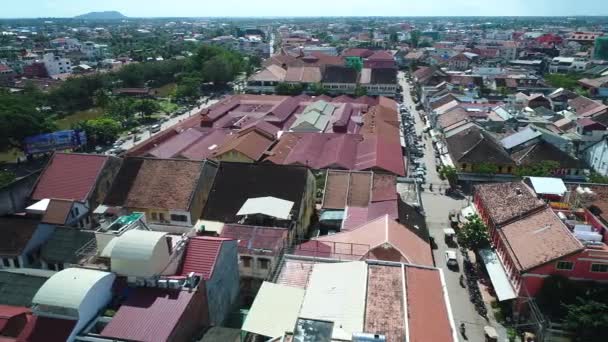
(340, 79)
(596, 156)
(601, 48)
(20, 240)
(261, 185)
(75, 295)
(353, 300)
(60, 251)
(532, 242)
(567, 64)
(56, 65)
(66, 44)
(379, 81)
(72, 185)
(170, 192)
(597, 87)
(94, 51)
(265, 81)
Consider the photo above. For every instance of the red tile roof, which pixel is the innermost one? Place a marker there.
(201, 255)
(538, 239)
(149, 314)
(69, 176)
(381, 56)
(8, 314)
(253, 239)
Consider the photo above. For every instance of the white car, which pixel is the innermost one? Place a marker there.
(451, 260)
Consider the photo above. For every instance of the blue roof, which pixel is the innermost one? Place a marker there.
(519, 138)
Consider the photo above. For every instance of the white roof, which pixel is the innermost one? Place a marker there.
(269, 206)
(68, 288)
(275, 310)
(39, 206)
(498, 275)
(211, 226)
(548, 186)
(336, 292)
(136, 244)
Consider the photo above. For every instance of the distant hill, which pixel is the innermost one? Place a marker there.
(102, 15)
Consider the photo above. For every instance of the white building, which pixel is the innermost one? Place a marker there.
(93, 50)
(74, 294)
(567, 64)
(596, 156)
(56, 65)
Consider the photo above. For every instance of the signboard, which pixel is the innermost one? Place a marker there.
(61, 140)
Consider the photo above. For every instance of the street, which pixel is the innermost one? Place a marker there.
(437, 206)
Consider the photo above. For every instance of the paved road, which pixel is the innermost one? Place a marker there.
(437, 207)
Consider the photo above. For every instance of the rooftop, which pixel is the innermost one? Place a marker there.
(19, 289)
(156, 183)
(539, 238)
(15, 234)
(69, 176)
(63, 245)
(149, 314)
(507, 201)
(201, 255)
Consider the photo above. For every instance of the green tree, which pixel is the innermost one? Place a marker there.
(121, 108)
(450, 173)
(474, 234)
(101, 98)
(597, 178)
(543, 169)
(188, 88)
(146, 107)
(101, 131)
(289, 89)
(218, 70)
(414, 38)
(360, 91)
(588, 319)
(485, 168)
(317, 89)
(566, 81)
(6, 178)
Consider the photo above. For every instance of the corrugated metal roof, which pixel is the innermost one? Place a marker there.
(336, 292)
(548, 186)
(201, 255)
(149, 315)
(275, 310)
(69, 176)
(68, 288)
(269, 206)
(520, 138)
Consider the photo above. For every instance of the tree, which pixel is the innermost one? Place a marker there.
(566, 81)
(317, 89)
(485, 168)
(6, 178)
(289, 89)
(543, 169)
(588, 319)
(101, 131)
(101, 98)
(219, 71)
(188, 88)
(474, 234)
(414, 38)
(121, 108)
(449, 173)
(360, 91)
(146, 107)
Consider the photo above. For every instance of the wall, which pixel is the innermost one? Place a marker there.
(307, 207)
(193, 318)
(95, 300)
(234, 156)
(597, 157)
(13, 197)
(203, 188)
(104, 182)
(40, 236)
(223, 287)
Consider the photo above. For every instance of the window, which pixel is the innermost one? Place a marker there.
(180, 218)
(263, 263)
(6, 262)
(599, 268)
(154, 216)
(564, 266)
(76, 211)
(16, 262)
(161, 217)
(246, 260)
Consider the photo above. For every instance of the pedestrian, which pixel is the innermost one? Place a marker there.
(463, 331)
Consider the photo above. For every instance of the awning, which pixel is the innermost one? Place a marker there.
(274, 311)
(498, 275)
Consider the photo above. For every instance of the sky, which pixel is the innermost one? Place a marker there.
(274, 8)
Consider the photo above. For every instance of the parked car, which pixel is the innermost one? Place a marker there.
(155, 128)
(451, 260)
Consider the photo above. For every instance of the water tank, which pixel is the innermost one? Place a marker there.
(366, 337)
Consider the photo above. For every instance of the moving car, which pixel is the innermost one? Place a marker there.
(451, 260)
(155, 128)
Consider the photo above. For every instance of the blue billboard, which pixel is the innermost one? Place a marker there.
(60, 140)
